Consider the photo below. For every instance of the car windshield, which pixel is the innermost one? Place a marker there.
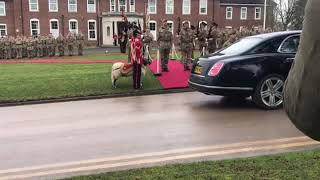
(242, 46)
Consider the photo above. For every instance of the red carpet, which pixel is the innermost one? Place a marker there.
(175, 78)
(52, 61)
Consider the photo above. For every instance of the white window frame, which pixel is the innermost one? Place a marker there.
(76, 5)
(245, 9)
(6, 29)
(155, 7)
(93, 5)
(50, 25)
(74, 20)
(132, 7)
(57, 4)
(34, 10)
(167, 7)
(125, 9)
(3, 4)
(200, 6)
(255, 13)
(228, 27)
(188, 23)
(114, 5)
(156, 28)
(186, 4)
(171, 22)
(227, 17)
(95, 30)
(202, 22)
(34, 19)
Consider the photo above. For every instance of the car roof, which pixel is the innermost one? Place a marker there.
(275, 34)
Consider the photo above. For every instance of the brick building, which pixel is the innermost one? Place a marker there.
(100, 19)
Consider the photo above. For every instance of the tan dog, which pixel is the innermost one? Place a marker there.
(123, 70)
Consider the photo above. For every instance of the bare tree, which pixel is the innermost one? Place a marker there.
(285, 12)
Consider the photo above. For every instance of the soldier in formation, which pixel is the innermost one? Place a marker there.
(147, 42)
(40, 46)
(186, 39)
(165, 38)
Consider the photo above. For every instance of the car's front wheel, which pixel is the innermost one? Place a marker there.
(269, 92)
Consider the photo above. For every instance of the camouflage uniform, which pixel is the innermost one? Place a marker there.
(61, 43)
(70, 42)
(80, 43)
(202, 39)
(186, 44)
(7, 48)
(230, 41)
(147, 40)
(19, 47)
(30, 47)
(165, 41)
(51, 46)
(212, 40)
(44, 44)
(39, 46)
(25, 47)
(2, 48)
(13, 48)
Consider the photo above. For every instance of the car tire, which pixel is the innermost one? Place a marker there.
(268, 93)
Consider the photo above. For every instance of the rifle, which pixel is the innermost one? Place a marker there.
(179, 26)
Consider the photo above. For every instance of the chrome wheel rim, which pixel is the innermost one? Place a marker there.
(272, 92)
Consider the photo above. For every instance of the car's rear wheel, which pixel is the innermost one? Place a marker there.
(269, 92)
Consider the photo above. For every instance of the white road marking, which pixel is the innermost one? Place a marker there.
(188, 153)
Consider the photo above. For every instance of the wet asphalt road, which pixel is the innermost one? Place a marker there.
(72, 131)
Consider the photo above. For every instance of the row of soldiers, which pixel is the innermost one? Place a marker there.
(40, 46)
(209, 38)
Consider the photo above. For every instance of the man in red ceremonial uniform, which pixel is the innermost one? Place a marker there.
(136, 58)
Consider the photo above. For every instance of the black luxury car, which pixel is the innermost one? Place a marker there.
(255, 66)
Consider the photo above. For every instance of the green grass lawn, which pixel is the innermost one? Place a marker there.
(289, 166)
(41, 81)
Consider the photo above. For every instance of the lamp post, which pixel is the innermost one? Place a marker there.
(265, 15)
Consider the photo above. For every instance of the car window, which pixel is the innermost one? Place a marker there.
(290, 45)
(270, 46)
(242, 46)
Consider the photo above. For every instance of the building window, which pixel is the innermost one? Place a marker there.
(72, 5)
(203, 6)
(153, 28)
(244, 11)
(257, 13)
(169, 6)
(152, 4)
(92, 30)
(187, 22)
(122, 5)
(54, 27)
(34, 27)
(186, 7)
(53, 5)
(132, 7)
(199, 25)
(91, 6)
(171, 26)
(73, 25)
(3, 30)
(2, 8)
(33, 5)
(228, 27)
(229, 12)
(112, 5)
